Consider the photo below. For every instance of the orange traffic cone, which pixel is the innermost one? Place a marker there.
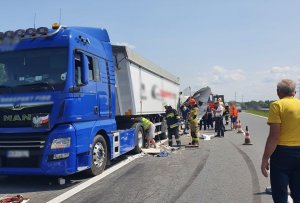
(247, 137)
(239, 127)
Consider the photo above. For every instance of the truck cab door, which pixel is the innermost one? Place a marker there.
(86, 76)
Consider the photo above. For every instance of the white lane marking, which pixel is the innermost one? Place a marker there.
(290, 200)
(93, 180)
(256, 115)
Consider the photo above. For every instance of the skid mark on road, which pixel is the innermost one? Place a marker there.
(254, 177)
(196, 172)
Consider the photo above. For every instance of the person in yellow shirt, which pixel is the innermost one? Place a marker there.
(149, 129)
(283, 144)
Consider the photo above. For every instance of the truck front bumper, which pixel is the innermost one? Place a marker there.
(30, 159)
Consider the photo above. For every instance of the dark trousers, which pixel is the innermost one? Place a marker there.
(171, 132)
(186, 125)
(204, 123)
(284, 172)
(210, 121)
(226, 119)
(219, 126)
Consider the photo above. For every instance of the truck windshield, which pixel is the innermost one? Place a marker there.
(33, 70)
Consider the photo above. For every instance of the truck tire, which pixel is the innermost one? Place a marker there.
(140, 138)
(99, 156)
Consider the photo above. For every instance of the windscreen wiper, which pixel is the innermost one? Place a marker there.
(4, 86)
(39, 86)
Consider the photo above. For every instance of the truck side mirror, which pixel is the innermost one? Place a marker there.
(85, 70)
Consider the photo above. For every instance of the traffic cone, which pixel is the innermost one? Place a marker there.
(239, 127)
(247, 137)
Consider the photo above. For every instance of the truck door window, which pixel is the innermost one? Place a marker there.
(96, 69)
(94, 72)
(93, 68)
(78, 68)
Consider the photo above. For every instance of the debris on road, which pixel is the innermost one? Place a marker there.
(207, 136)
(13, 199)
(162, 153)
(268, 190)
(151, 150)
(161, 150)
(191, 146)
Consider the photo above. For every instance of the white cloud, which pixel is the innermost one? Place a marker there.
(246, 85)
(220, 75)
(285, 69)
(131, 46)
(277, 73)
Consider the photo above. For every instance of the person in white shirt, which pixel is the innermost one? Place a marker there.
(219, 119)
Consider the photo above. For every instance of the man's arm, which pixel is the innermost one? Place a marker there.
(218, 110)
(270, 147)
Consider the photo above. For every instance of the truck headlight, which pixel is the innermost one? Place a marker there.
(61, 143)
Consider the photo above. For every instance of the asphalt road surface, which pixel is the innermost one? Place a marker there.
(220, 170)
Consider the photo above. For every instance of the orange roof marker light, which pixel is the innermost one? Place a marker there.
(55, 26)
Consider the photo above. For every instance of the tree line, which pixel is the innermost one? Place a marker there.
(257, 104)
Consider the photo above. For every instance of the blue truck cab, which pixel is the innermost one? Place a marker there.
(57, 102)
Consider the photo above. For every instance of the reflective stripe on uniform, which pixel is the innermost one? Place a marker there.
(170, 115)
(146, 123)
(193, 113)
(174, 125)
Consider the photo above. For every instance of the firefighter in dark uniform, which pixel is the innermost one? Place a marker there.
(173, 125)
(193, 120)
(226, 114)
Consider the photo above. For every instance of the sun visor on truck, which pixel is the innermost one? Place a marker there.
(97, 33)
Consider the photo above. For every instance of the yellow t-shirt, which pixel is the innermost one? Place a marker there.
(286, 111)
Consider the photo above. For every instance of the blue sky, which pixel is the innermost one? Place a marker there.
(239, 48)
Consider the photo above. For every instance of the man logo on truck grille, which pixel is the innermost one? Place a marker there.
(18, 107)
(16, 117)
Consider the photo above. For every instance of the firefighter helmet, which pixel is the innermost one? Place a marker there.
(192, 102)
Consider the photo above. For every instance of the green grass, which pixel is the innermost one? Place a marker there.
(257, 112)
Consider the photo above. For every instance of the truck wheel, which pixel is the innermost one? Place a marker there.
(139, 138)
(99, 156)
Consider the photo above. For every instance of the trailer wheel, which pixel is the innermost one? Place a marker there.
(139, 137)
(99, 156)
